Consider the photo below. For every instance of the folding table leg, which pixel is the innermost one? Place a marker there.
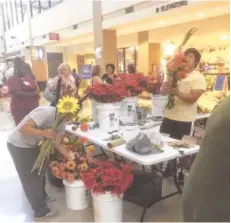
(102, 154)
(105, 154)
(176, 182)
(152, 186)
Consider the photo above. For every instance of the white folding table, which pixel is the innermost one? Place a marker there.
(169, 153)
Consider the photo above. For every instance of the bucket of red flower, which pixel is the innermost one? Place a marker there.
(134, 84)
(77, 196)
(108, 181)
(108, 98)
(159, 101)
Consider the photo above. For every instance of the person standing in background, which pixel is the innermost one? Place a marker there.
(95, 74)
(131, 68)
(206, 195)
(74, 73)
(63, 83)
(24, 90)
(10, 70)
(77, 77)
(109, 76)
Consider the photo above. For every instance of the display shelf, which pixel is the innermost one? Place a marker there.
(220, 73)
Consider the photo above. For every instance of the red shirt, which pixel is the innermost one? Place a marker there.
(22, 105)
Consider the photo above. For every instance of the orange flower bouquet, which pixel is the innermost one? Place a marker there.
(70, 170)
(177, 67)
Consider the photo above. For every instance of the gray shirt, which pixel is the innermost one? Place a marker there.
(44, 118)
(206, 195)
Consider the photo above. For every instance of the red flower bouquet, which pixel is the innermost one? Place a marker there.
(154, 84)
(177, 67)
(107, 93)
(135, 84)
(108, 177)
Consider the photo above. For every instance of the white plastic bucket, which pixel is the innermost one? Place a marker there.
(77, 196)
(108, 116)
(128, 109)
(94, 111)
(159, 103)
(107, 208)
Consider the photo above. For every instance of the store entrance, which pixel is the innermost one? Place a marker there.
(53, 62)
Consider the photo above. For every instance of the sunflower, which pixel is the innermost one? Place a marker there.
(84, 167)
(68, 104)
(70, 165)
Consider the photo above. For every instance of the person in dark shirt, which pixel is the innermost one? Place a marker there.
(77, 77)
(206, 195)
(131, 68)
(109, 76)
(24, 90)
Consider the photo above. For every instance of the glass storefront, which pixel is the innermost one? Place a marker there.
(14, 10)
(125, 57)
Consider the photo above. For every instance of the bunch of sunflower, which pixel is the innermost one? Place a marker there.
(66, 106)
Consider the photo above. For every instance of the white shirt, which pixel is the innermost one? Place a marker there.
(9, 72)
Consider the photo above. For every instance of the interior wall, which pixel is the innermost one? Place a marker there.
(219, 54)
(209, 31)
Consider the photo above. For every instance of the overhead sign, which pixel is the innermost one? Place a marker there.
(98, 52)
(86, 71)
(169, 6)
(53, 36)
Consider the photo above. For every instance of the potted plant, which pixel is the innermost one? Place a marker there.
(108, 106)
(77, 196)
(108, 181)
(134, 85)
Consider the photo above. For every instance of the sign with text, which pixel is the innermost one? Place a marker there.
(173, 5)
(86, 71)
(53, 36)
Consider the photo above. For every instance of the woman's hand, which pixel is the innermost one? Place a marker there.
(166, 87)
(175, 91)
(49, 133)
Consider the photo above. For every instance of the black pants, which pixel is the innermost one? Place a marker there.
(33, 185)
(175, 129)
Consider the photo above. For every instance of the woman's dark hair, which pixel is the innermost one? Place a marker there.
(112, 66)
(196, 54)
(131, 68)
(29, 70)
(95, 70)
(20, 68)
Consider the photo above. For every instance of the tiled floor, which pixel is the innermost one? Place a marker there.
(14, 206)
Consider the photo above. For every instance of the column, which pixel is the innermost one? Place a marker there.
(110, 48)
(104, 40)
(2, 32)
(148, 53)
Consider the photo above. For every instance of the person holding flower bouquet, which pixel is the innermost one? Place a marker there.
(191, 85)
(24, 147)
(182, 112)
